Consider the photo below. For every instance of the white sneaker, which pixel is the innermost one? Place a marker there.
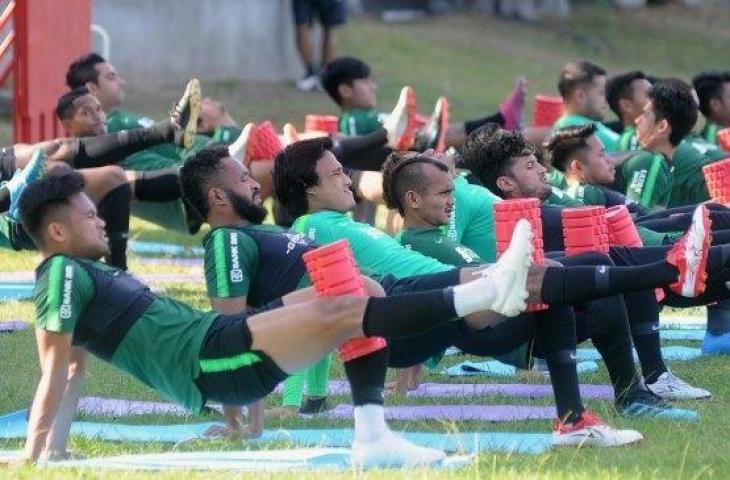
(308, 84)
(237, 149)
(670, 387)
(391, 450)
(510, 272)
(591, 431)
(400, 124)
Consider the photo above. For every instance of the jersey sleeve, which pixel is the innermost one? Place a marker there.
(646, 181)
(479, 236)
(314, 228)
(231, 260)
(62, 292)
(359, 122)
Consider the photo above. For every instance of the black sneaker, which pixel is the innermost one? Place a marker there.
(313, 405)
(642, 402)
(185, 113)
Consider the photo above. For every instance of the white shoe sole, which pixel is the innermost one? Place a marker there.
(697, 235)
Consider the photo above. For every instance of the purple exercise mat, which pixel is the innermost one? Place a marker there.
(13, 325)
(489, 413)
(601, 392)
(117, 407)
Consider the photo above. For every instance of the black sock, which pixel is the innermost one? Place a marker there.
(114, 208)
(366, 375)
(555, 336)
(114, 147)
(407, 314)
(363, 152)
(643, 312)
(569, 285)
(311, 69)
(161, 188)
(471, 125)
(4, 199)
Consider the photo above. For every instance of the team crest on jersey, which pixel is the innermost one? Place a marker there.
(637, 181)
(294, 240)
(66, 311)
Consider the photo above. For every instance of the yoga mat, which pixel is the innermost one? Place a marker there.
(116, 407)
(13, 326)
(682, 334)
(494, 368)
(176, 262)
(487, 413)
(674, 352)
(15, 291)
(259, 460)
(14, 425)
(154, 248)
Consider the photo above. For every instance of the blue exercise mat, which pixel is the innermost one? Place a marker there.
(14, 425)
(671, 353)
(494, 368)
(257, 460)
(154, 248)
(682, 334)
(16, 291)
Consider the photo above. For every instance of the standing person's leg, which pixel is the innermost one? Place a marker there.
(332, 14)
(303, 18)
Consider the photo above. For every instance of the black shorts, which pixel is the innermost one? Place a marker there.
(231, 373)
(7, 163)
(331, 13)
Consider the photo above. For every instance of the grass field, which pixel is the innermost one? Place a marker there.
(473, 60)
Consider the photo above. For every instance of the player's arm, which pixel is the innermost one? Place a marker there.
(54, 352)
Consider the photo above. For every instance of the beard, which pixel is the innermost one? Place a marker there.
(246, 209)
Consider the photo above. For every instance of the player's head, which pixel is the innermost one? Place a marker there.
(213, 114)
(505, 163)
(420, 186)
(308, 178)
(580, 154)
(81, 113)
(60, 217)
(583, 88)
(95, 73)
(219, 187)
(627, 94)
(347, 81)
(668, 116)
(713, 90)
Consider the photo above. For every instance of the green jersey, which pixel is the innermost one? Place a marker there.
(688, 181)
(226, 134)
(608, 137)
(434, 243)
(709, 133)
(376, 253)
(5, 227)
(628, 141)
(360, 121)
(472, 219)
(115, 317)
(646, 179)
(558, 198)
(118, 120)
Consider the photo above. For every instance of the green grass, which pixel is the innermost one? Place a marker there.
(473, 60)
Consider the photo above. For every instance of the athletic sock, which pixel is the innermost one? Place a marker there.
(407, 314)
(294, 389)
(318, 377)
(366, 376)
(643, 314)
(569, 285)
(473, 296)
(555, 335)
(161, 188)
(114, 208)
(471, 125)
(114, 147)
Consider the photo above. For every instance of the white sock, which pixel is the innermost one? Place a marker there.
(474, 296)
(369, 423)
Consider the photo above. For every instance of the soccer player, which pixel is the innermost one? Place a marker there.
(713, 90)
(626, 95)
(191, 356)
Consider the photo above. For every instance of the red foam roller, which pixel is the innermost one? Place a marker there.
(264, 143)
(546, 111)
(723, 139)
(321, 123)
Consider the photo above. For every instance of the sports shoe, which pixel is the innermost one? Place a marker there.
(32, 172)
(391, 450)
(314, 405)
(433, 134)
(290, 134)
(641, 402)
(309, 83)
(401, 123)
(689, 255)
(512, 106)
(185, 114)
(238, 148)
(716, 344)
(591, 431)
(670, 387)
(510, 272)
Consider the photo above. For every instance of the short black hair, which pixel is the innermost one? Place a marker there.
(294, 172)
(46, 196)
(83, 70)
(342, 71)
(568, 143)
(197, 174)
(490, 157)
(576, 75)
(672, 101)
(403, 172)
(619, 88)
(708, 85)
(65, 105)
